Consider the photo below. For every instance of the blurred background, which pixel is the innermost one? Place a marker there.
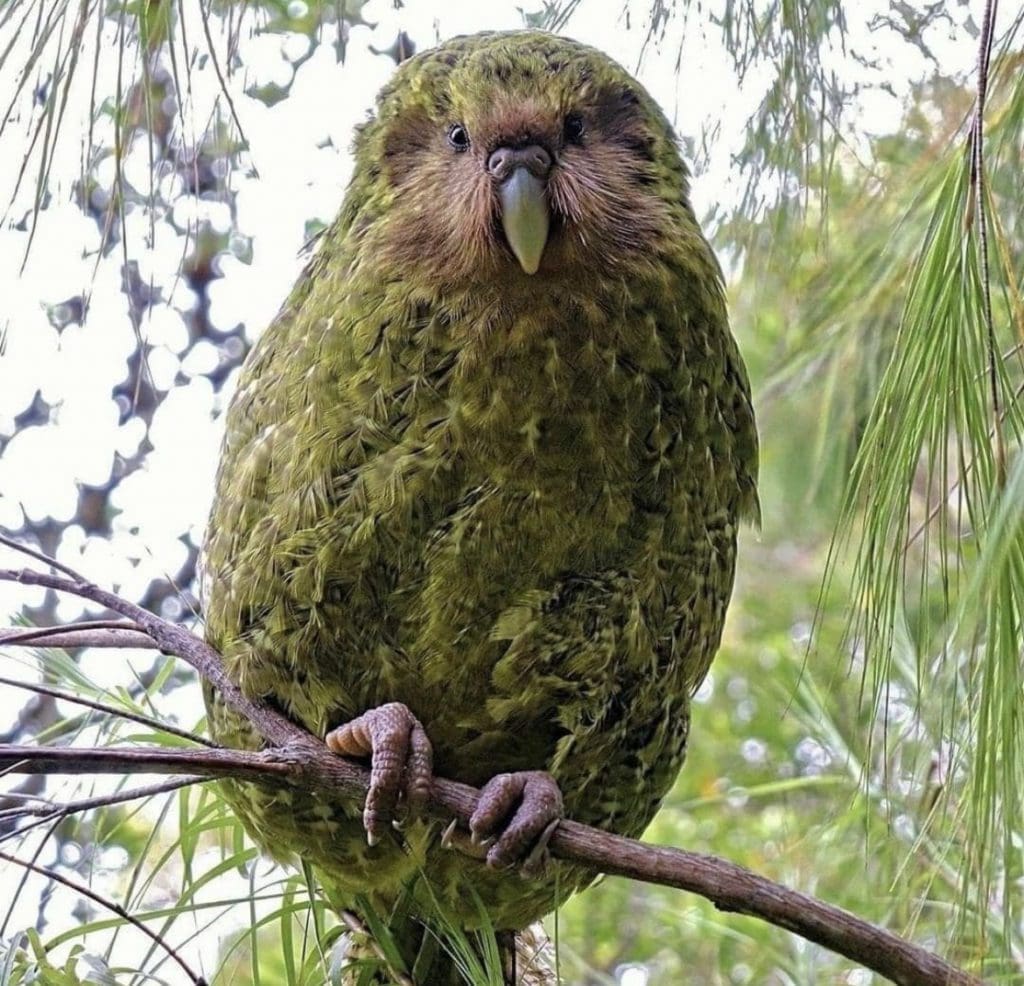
(861, 734)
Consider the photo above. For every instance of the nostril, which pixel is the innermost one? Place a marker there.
(498, 162)
(540, 161)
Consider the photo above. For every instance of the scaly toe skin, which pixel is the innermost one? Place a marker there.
(401, 762)
(523, 811)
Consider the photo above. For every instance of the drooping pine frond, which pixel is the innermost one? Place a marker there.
(935, 510)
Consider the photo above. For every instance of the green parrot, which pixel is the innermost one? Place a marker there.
(478, 499)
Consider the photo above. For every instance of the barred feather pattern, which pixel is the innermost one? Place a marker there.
(509, 501)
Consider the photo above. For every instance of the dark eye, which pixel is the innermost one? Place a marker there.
(574, 128)
(458, 137)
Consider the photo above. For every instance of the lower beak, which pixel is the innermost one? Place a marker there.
(525, 217)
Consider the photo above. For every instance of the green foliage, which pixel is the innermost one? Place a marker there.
(878, 766)
(937, 520)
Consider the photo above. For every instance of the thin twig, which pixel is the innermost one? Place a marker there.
(126, 634)
(49, 810)
(267, 766)
(110, 905)
(66, 637)
(31, 635)
(111, 710)
(24, 549)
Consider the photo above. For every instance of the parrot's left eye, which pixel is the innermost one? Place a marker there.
(573, 128)
(458, 137)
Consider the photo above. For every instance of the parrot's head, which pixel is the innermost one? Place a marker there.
(516, 154)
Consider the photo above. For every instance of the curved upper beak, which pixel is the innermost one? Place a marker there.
(525, 217)
(522, 192)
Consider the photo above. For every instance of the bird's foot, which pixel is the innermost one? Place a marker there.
(516, 816)
(401, 762)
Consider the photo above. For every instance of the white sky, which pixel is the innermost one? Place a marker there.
(299, 149)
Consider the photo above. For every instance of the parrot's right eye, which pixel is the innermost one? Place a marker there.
(458, 137)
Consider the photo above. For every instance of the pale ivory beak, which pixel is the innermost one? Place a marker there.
(525, 217)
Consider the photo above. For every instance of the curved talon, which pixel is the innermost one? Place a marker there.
(446, 836)
(522, 810)
(537, 862)
(482, 841)
(401, 762)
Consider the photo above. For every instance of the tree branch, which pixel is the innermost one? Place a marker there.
(37, 807)
(81, 635)
(300, 760)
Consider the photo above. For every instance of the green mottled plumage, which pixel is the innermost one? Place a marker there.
(508, 501)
